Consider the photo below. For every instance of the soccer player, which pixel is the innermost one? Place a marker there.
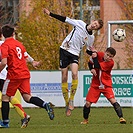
(16, 104)
(100, 66)
(80, 36)
(14, 55)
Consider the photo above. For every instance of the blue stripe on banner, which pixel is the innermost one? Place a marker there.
(47, 87)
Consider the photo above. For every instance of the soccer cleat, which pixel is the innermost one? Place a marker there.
(25, 121)
(49, 109)
(122, 120)
(84, 122)
(2, 125)
(71, 105)
(68, 111)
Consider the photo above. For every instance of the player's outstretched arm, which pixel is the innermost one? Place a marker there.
(59, 17)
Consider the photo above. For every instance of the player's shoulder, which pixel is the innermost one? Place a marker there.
(100, 53)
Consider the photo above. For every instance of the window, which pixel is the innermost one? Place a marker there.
(90, 9)
(9, 11)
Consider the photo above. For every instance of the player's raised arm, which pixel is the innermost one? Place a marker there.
(59, 17)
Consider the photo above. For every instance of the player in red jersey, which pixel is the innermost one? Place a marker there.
(14, 101)
(14, 55)
(100, 66)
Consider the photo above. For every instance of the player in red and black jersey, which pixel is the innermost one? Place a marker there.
(100, 66)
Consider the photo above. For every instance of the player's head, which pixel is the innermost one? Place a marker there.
(96, 24)
(7, 31)
(100, 21)
(109, 53)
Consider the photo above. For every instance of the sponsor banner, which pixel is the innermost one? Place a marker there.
(47, 86)
(122, 85)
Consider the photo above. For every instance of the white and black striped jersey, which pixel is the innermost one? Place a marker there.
(78, 37)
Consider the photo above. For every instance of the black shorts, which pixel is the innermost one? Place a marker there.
(1, 84)
(67, 58)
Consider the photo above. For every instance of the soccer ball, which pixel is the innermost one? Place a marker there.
(119, 35)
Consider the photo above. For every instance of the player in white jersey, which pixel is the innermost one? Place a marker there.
(80, 36)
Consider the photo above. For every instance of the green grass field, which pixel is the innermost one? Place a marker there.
(101, 120)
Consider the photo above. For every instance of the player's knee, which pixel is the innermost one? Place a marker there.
(87, 104)
(26, 98)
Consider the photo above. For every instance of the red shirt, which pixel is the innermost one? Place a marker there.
(105, 76)
(15, 53)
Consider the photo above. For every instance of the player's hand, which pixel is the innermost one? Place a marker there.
(36, 64)
(92, 48)
(93, 71)
(46, 11)
(94, 55)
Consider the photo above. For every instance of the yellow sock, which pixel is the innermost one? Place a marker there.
(73, 89)
(65, 92)
(19, 109)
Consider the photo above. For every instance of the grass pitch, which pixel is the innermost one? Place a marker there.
(101, 120)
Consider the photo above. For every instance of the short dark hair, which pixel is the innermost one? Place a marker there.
(100, 21)
(7, 30)
(111, 50)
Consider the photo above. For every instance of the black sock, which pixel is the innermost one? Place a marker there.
(5, 112)
(86, 112)
(118, 109)
(37, 101)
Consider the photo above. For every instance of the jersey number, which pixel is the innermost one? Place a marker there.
(19, 54)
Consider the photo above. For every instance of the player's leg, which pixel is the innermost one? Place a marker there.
(65, 90)
(7, 91)
(16, 104)
(5, 112)
(64, 85)
(86, 112)
(1, 86)
(64, 63)
(118, 110)
(109, 94)
(19, 109)
(92, 97)
(26, 94)
(40, 103)
(74, 69)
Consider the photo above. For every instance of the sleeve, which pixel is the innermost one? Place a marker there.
(75, 22)
(28, 57)
(96, 63)
(89, 52)
(59, 17)
(90, 64)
